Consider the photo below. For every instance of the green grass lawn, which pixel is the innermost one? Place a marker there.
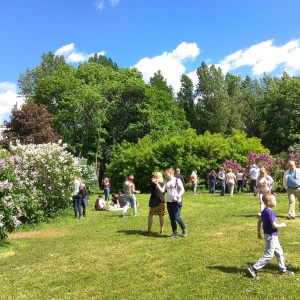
(104, 256)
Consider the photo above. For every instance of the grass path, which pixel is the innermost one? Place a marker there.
(104, 256)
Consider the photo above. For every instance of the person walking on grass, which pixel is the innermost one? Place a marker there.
(291, 182)
(230, 179)
(130, 191)
(221, 178)
(273, 247)
(264, 185)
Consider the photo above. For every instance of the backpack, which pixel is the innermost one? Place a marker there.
(97, 206)
(127, 188)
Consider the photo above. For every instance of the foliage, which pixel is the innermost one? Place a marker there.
(280, 113)
(185, 150)
(30, 124)
(36, 183)
(158, 81)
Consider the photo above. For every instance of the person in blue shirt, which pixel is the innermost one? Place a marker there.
(291, 182)
(221, 178)
(273, 247)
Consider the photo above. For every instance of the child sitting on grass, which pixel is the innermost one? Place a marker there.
(100, 203)
(273, 246)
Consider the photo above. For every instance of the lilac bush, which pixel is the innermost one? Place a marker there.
(35, 183)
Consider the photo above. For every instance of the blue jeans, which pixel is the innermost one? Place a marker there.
(106, 194)
(213, 186)
(132, 200)
(195, 185)
(240, 185)
(222, 184)
(77, 205)
(174, 215)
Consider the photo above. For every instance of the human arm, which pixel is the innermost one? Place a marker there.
(259, 222)
(162, 189)
(276, 225)
(284, 179)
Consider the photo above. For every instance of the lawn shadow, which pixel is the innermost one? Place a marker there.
(243, 215)
(228, 269)
(142, 232)
(273, 268)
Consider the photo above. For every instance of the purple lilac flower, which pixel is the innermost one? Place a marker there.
(18, 159)
(34, 174)
(7, 198)
(1, 216)
(9, 204)
(17, 223)
(1, 225)
(5, 185)
(20, 183)
(21, 174)
(21, 198)
(19, 214)
(2, 164)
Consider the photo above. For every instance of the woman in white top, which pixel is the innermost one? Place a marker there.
(230, 180)
(264, 185)
(194, 181)
(174, 188)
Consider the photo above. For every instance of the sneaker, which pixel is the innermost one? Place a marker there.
(173, 236)
(136, 215)
(290, 217)
(253, 272)
(184, 233)
(287, 273)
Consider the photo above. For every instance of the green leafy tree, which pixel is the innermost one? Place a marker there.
(213, 106)
(280, 112)
(186, 100)
(251, 93)
(158, 81)
(49, 64)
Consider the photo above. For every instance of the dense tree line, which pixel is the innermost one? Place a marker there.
(98, 105)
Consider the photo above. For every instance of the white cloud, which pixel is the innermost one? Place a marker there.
(262, 58)
(114, 2)
(171, 64)
(265, 57)
(72, 55)
(100, 5)
(8, 98)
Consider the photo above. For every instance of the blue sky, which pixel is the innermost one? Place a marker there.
(247, 37)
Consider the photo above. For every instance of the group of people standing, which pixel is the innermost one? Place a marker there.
(174, 188)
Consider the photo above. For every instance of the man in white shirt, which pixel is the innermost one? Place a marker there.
(254, 174)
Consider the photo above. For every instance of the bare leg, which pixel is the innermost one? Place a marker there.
(162, 223)
(150, 221)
